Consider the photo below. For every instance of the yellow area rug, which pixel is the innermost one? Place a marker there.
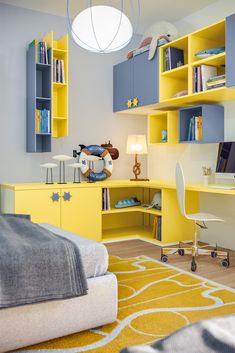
(155, 299)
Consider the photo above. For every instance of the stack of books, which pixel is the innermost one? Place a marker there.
(174, 58)
(157, 228)
(42, 53)
(195, 129)
(201, 75)
(43, 121)
(58, 71)
(216, 81)
(105, 199)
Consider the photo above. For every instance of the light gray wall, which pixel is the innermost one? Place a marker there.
(90, 99)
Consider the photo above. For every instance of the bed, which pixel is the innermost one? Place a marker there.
(29, 324)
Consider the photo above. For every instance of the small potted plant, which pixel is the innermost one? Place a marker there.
(206, 175)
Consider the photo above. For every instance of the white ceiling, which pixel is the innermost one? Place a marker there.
(151, 10)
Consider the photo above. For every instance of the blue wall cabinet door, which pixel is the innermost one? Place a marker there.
(146, 82)
(136, 81)
(122, 85)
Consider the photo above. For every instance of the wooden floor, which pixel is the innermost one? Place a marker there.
(207, 267)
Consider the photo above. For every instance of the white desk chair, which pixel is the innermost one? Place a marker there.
(195, 249)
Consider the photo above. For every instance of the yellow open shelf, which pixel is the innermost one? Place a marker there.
(180, 43)
(178, 72)
(163, 121)
(215, 60)
(212, 36)
(59, 90)
(179, 79)
(119, 234)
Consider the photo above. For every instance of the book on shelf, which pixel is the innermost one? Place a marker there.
(42, 53)
(43, 121)
(105, 199)
(173, 58)
(216, 81)
(195, 128)
(201, 75)
(58, 71)
(157, 228)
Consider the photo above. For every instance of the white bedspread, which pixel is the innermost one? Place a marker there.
(94, 255)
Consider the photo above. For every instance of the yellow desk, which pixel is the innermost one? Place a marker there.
(83, 213)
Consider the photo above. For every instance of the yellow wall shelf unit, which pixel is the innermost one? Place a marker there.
(171, 82)
(59, 90)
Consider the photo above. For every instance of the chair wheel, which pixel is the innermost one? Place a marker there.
(225, 263)
(213, 254)
(193, 266)
(164, 258)
(181, 252)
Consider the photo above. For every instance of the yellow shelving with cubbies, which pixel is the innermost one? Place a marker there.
(181, 78)
(59, 90)
(160, 121)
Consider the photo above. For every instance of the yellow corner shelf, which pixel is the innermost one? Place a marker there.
(118, 233)
(132, 209)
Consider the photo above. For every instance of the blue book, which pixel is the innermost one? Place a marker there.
(190, 130)
(193, 128)
(159, 228)
(176, 57)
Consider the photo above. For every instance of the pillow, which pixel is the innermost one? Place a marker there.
(215, 335)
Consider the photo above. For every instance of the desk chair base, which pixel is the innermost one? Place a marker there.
(195, 250)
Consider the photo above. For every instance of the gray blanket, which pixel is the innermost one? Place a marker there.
(36, 265)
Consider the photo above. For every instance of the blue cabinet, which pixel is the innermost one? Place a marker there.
(38, 98)
(136, 82)
(212, 120)
(122, 85)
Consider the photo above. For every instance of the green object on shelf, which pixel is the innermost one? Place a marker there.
(133, 201)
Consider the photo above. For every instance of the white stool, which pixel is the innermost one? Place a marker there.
(76, 167)
(49, 167)
(62, 159)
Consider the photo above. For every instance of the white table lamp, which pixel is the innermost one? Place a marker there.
(136, 144)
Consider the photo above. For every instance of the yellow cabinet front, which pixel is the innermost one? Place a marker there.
(81, 211)
(40, 205)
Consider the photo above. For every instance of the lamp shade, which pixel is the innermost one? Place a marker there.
(136, 144)
(102, 29)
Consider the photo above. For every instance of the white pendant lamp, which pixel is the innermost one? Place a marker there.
(101, 29)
